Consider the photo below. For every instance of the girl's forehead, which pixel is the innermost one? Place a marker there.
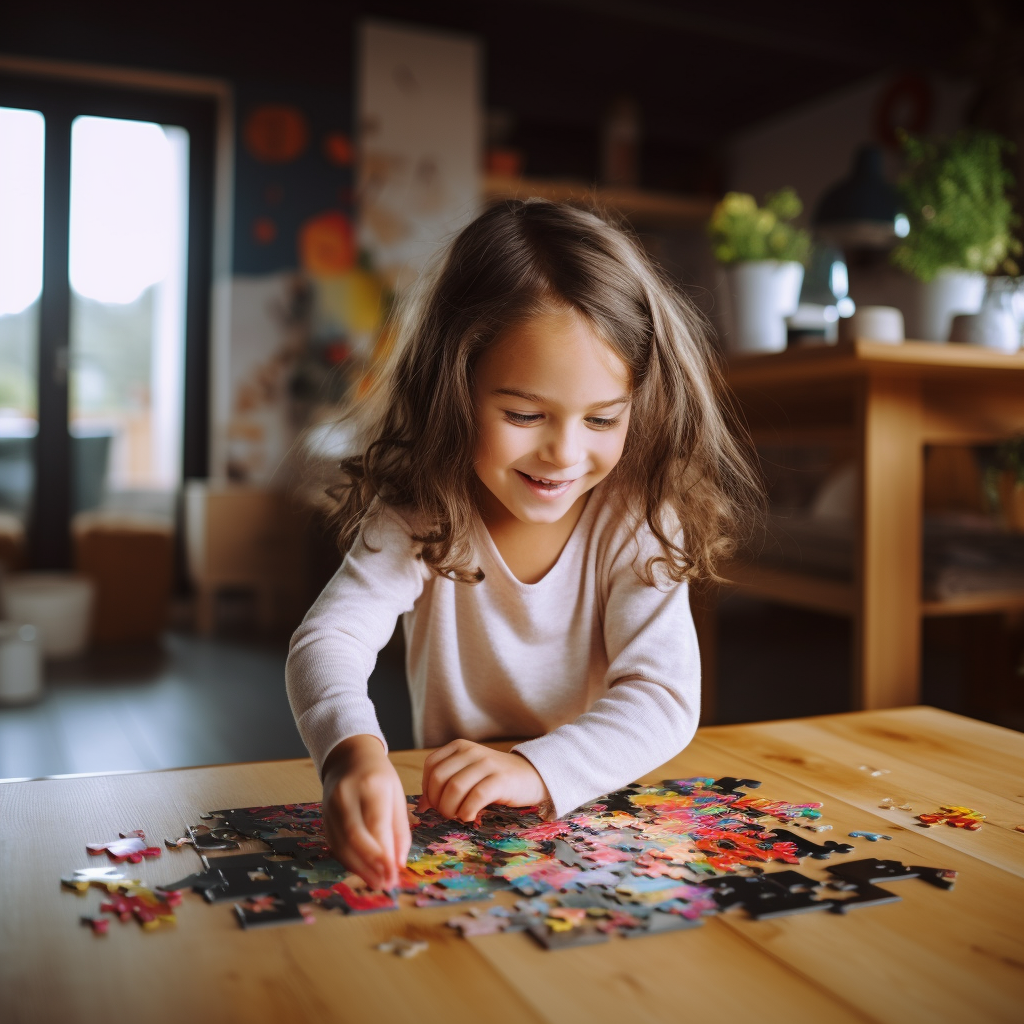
(559, 348)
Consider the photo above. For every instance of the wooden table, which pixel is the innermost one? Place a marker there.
(884, 403)
(936, 956)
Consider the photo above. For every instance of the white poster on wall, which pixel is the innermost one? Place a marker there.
(420, 143)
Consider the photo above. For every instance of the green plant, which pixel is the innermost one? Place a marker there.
(741, 230)
(956, 196)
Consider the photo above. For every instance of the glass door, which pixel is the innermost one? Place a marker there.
(127, 266)
(22, 143)
(105, 268)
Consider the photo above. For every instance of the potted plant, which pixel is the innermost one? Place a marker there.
(763, 253)
(955, 194)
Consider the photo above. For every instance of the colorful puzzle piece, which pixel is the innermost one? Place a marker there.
(955, 817)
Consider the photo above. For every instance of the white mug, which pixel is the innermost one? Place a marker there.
(874, 323)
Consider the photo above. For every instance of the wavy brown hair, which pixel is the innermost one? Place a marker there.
(415, 428)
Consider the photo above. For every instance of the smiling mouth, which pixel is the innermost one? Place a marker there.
(545, 484)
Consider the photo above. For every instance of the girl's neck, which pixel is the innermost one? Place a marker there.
(529, 550)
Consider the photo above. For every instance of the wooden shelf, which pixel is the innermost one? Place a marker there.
(640, 208)
(799, 589)
(821, 594)
(976, 604)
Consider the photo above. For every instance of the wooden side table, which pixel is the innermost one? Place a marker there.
(885, 402)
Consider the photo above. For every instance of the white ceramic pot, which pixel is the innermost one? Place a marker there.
(930, 308)
(762, 294)
(875, 323)
(991, 328)
(21, 669)
(58, 605)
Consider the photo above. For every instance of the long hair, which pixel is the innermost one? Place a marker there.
(682, 470)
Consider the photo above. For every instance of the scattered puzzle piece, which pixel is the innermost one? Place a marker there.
(955, 817)
(405, 948)
(871, 837)
(131, 846)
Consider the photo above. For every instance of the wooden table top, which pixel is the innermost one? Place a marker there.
(861, 356)
(934, 956)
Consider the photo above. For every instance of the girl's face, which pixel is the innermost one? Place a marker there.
(552, 407)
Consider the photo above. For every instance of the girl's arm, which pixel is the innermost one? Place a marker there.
(333, 652)
(331, 656)
(652, 705)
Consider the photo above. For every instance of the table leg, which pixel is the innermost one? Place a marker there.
(887, 627)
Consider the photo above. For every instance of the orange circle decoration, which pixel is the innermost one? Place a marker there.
(276, 133)
(338, 149)
(326, 245)
(264, 230)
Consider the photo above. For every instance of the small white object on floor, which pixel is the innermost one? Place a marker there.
(405, 948)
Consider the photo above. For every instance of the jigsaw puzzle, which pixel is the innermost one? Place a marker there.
(644, 860)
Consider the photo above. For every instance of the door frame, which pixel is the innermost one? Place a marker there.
(61, 98)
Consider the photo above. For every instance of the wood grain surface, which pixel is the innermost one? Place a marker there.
(935, 956)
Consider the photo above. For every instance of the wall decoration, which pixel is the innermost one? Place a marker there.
(420, 143)
(276, 133)
(300, 306)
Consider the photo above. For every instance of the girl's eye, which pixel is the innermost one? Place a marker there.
(602, 424)
(522, 417)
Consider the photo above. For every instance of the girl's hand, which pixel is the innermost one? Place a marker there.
(366, 816)
(462, 778)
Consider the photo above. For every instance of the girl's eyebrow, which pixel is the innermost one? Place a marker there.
(529, 396)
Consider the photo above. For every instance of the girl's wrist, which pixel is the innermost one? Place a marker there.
(350, 751)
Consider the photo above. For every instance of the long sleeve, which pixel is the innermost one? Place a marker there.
(652, 704)
(333, 652)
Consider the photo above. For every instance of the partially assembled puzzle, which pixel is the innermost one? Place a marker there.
(643, 860)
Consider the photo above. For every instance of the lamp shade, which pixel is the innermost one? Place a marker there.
(861, 210)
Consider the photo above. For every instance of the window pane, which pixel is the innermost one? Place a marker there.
(21, 279)
(128, 251)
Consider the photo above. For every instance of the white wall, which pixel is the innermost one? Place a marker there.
(811, 148)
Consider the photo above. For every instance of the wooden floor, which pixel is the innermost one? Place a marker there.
(189, 701)
(195, 701)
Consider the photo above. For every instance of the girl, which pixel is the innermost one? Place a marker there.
(542, 467)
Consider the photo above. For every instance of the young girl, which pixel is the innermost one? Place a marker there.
(542, 467)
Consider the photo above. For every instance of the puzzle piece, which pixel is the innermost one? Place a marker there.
(405, 948)
(267, 911)
(861, 876)
(955, 817)
(777, 894)
(871, 837)
(205, 839)
(805, 848)
(131, 847)
(107, 878)
(148, 907)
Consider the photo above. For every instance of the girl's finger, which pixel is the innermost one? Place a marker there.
(485, 792)
(360, 844)
(458, 786)
(402, 834)
(377, 817)
(434, 758)
(435, 784)
(354, 862)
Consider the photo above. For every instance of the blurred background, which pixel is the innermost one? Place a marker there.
(207, 212)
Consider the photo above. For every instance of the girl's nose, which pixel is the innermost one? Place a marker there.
(561, 448)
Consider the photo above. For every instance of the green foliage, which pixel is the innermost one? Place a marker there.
(741, 230)
(956, 196)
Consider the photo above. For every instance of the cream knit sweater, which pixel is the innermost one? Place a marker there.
(601, 668)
